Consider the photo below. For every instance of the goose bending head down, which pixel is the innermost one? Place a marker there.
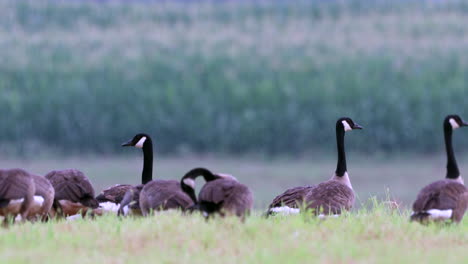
(445, 199)
(222, 193)
(74, 193)
(16, 194)
(329, 197)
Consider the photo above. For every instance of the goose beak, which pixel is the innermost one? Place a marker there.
(464, 123)
(356, 126)
(127, 144)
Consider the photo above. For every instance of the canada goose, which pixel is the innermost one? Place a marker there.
(327, 198)
(111, 198)
(16, 193)
(448, 198)
(73, 192)
(43, 198)
(221, 193)
(163, 195)
(154, 194)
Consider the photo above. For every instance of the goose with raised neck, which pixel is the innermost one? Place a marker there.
(115, 198)
(330, 196)
(445, 199)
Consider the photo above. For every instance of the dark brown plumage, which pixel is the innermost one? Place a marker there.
(293, 197)
(231, 196)
(221, 193)
(444, 199)
(442, 195)
(327, 198)
(163, 195)
(114, 193)
(17, 190)
(73, 192)
(44, 189)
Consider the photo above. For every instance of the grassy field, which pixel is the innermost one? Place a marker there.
(375, 236)
(397, 177)
(370, 233)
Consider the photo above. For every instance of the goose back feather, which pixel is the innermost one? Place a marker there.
(73, 191)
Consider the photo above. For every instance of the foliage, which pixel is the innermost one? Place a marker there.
(230, 77)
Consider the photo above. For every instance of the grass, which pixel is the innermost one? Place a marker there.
(377, 235)
(370, 233)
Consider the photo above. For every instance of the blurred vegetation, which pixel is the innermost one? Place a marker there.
(230, 77)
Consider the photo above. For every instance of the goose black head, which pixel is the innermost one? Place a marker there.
(138, 141)
(454, 121)
(347, 124)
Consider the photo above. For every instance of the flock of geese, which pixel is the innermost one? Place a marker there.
(69, 193)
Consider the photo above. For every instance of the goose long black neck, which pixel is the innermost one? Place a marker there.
(452, 167)
(147, 173)
(193, 174)
(341, 164)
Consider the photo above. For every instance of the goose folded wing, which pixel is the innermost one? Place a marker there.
(330, 198)
(167, 195)
(114, 194)
(440, 195)
(11, 188)
(217, 191)
(293, 197)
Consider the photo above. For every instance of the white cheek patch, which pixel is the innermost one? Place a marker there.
(190, 182)
(140, 142)
(454, 123)
(346, 126)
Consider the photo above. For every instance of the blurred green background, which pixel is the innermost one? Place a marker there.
(234, 79)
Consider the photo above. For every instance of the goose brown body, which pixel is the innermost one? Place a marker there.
(329, 197)
(442, 195)
(293, 197)
(229, 195)
(163, 195)
(73, 192)
(45, 190)
(114, 194)
(17, 190)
